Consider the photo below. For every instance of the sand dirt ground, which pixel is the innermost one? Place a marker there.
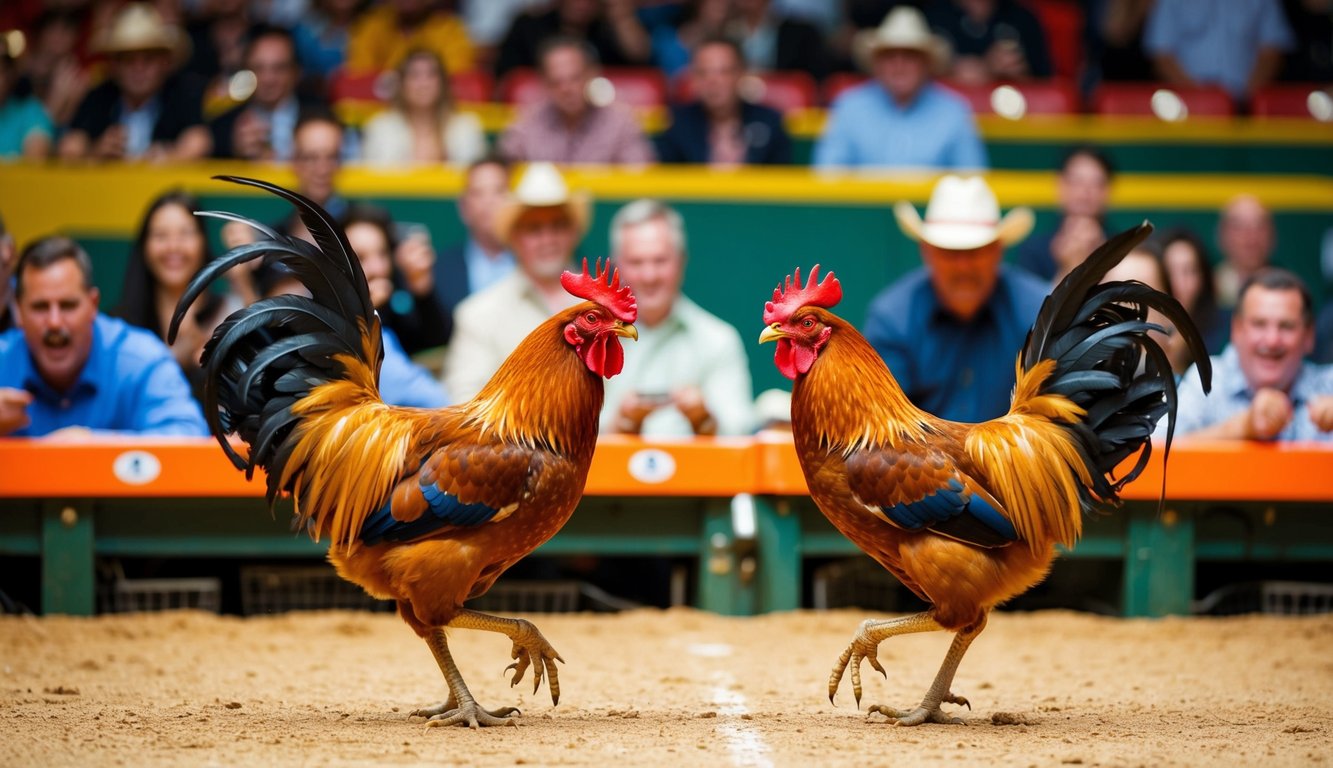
(675, 687)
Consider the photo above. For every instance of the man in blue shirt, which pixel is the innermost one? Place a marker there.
(950, 331)
(482, 260)
(1234, 44)
(900, 118)
(1263, 389)
(70, 370)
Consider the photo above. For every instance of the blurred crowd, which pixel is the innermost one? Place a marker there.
(180, 79)
(262, 81)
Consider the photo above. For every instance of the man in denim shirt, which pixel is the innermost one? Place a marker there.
(72, 371)
(950, 330)
(1263, 389)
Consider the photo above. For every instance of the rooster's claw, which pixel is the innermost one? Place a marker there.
(862, 648)
(533, 650)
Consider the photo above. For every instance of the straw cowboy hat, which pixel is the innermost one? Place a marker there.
(903, 29)
(542, 186)
(963, 214)
(139, 27)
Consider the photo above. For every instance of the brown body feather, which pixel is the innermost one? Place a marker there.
(848, 411)
(528, 437)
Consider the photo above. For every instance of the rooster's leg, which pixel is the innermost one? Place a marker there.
(939, 693)
(530, 648)
(865, 646)
(467, 712)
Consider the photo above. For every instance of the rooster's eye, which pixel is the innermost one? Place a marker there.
(591, 318)
(809, 322)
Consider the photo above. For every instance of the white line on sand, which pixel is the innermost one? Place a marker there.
(746, 745)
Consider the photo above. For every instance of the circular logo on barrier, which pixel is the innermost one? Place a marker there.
(652, 466)
(136, 467)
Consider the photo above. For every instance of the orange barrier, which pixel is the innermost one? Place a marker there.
(160, 468)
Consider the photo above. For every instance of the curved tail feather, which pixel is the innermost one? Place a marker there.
(264, 359)
(1104, 361)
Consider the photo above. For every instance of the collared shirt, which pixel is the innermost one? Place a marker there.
(139, 126)
(403, 382)
(867, 127)
(961, 371)
(130, 384)
(1232, 394)
(488, 326)
(609, 134)
(281, 126)
(1216, 41)
(483, 270)
(689, 348)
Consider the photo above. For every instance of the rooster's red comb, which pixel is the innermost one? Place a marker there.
(792, 296)
(603, 288)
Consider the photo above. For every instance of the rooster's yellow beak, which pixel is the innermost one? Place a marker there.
(626, 330)
(773, 333)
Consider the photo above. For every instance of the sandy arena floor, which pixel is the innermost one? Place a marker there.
(661, 688)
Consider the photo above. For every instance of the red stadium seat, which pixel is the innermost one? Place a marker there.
(1039, 97)
(838, 82)
(346, 86)
(472, 87)
(635, 86)
(1295, 100)
(1062, 20)
(783, 91)
(1137, 99)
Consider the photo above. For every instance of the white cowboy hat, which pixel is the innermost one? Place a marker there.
(542, 186)
(139, 27)
(903, 29)
(963, 214)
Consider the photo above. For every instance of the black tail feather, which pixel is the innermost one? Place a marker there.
(264, 358)
(1106, 362)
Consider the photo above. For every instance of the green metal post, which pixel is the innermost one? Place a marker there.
(778, 535)
(719, 570)
(67, 558)
(1159, 562)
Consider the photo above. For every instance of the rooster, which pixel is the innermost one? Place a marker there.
(967, 516)
(424, 507)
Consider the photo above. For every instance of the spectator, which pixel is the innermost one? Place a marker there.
(25, 129)
(317, 145)
(566, 127)
(169, 250)
(698, 20)
(8, 261)
(900, 118)
(1262, 387)
(69, 370)
(482, 260)
(1083, 188)
(1144, 264)
(542, 221)
(218, 37)
(412, 309)
(1117, 27)
(992, 40)
(386, 32)
(261, 127)
(720, 128)
(688, 374)
(143, 110)
(613, 34)
(1246, 238)
(321, 37)
(949, 331)
(402, 382)
(1234, 44)
(51, 68)
(1192, 284)
(773, 41)
(422, 126)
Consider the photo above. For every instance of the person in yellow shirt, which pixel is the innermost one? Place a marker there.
(384, 34)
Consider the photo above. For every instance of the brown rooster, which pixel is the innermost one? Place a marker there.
(967, 516)
(425, 507)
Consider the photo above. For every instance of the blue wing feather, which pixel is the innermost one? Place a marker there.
(444, 510)
(952, 510)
